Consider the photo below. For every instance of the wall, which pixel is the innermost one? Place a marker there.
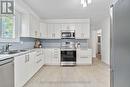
(57, 43)
(105, 44)
(25, 43)
(94, 42)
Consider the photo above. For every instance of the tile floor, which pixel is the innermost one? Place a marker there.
(96, 75)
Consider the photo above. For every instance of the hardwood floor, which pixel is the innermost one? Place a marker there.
(96, 75)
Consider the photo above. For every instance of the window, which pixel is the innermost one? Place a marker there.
(10, 28)
(7, 27)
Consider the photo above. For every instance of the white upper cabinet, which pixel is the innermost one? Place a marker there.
(82, 31)
(57, 28)
(53, 31)
(30, 26)
(68, 27)
(43, 30)
(25, 30)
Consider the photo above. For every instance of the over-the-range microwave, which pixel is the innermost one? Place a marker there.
(68, 34)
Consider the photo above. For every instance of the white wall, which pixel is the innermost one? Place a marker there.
(94, 42)
(105, 44)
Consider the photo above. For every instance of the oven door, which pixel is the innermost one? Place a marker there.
(68, 57)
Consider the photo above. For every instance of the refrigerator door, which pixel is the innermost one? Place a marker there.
(120, 44)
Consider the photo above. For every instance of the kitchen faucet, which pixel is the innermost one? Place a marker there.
(7, 47)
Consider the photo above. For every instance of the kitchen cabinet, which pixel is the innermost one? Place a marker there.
(21, 64)
(82, 31)
(52, 56)
(50, 31)
(68, 26)
(25, 30)
(26, 65)
(43, 30)
(55, 56)
(84, 56)
(30, 26)
(57, 28)
(39, 60)
(34, 26)
(53, 31)
(48, 55)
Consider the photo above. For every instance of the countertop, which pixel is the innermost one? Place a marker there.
(5, 56)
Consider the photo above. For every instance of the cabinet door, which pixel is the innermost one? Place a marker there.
(48, 55)
(31, 66)
(72, 26)
(37, 28)
(20, 70)
(32, 26)
(78, 32)
(68, 26)
(65, 27)
(51, 32)
(55, 56)
(57, 31)
(43, 30)
(86, 30)
(82, 31)
(25, 32)
(84, 56)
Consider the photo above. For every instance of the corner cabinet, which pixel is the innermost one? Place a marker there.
(82, 31)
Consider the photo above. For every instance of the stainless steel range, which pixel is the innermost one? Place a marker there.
(68, 53)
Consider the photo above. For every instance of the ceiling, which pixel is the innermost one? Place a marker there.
(70, 9)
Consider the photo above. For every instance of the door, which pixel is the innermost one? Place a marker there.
(120, 45)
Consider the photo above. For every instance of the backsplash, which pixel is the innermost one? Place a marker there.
(28, 43)
(25, 43)
(57, 43)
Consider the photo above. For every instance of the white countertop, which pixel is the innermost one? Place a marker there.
(5, 56)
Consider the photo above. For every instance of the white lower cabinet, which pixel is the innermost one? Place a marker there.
(84, 56)
(38, 60)
(52, 56)
(20, 64)
(55, 56)
(26, 65)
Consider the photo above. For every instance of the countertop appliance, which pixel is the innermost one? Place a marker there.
(68, 53)
(7, 72)
(68, 34)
